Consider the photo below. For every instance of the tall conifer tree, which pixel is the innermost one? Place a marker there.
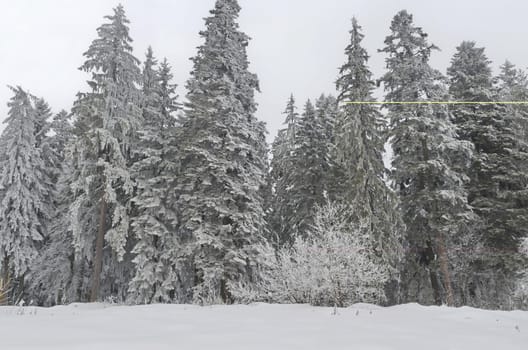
(24, 192)
(309, 167)
(281, 213)
(107, 117)
(497, 190)
(359, 146)
(425, 174)
(156, 251)
(223, 165)
(54, 279)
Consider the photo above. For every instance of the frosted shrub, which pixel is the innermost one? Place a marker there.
(333, 264)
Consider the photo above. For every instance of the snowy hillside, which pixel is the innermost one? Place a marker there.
(260, 326)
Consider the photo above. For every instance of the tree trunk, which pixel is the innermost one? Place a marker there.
(444, 269)
(98, 261)
(5, 269)
(425, 180)
(437, 293)
(435, 285)
(19, 291)
(4, 282)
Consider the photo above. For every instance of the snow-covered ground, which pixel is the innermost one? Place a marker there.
(260, 326)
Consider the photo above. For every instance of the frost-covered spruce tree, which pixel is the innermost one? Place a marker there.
(497, 190)
(305, 188)
(359, 146)
(281, 211)
(301, 168)
(156, 252)
(222, 163)
(42, 120)
(470, 80)
(169, 99)
(275, 179)
(513, 86)
(309, 177)
(43, 141)
(292, 122)
(107, 117)
(426, 175)
(327, 111)
(62, 270)
(24, 192)
(62, 133)
(53, 279)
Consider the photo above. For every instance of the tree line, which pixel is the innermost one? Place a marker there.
(136, 197)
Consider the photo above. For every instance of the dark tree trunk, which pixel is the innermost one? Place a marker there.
(444, 269)
(435, 285)
(5, 269)
(441, 251)
(98, 261)
(4, 282)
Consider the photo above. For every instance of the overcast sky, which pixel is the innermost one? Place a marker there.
(297, 45)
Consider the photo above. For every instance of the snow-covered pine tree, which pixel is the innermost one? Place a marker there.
(167, 90)
(275, 179)
(42, 120)
(43, 124)
(359, 146)
(302, 171)
(24, 192)
(223, 168)
(292, 122)
(281, 211)
(513, 86)
(263, 151)
(62, 133)
(497, 190)
(107, 117)
(426, 176)
(156, 252)
(309, 178)
(53, 279)
(327, 111)
(306, 191)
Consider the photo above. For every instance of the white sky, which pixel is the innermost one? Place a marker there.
(297, 45)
